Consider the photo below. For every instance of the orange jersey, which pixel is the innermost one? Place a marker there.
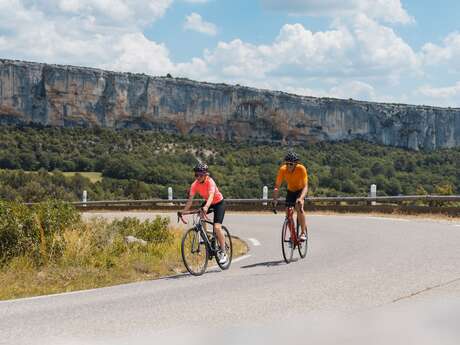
(296, 180)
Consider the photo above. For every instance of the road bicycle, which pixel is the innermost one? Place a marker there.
(290, 236)
(199, 246)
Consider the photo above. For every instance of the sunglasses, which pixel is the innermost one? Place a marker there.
(291, 164)
(200, 174)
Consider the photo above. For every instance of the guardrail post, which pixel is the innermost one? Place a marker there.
(265, 194)
(85, 197)
(373, 193)
(170, 193)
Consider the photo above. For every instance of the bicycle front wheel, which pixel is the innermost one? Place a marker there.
(228, 249)
(303, 245)
(287, 244)
(194, 252)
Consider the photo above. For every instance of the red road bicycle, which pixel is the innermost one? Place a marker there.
(290, 236)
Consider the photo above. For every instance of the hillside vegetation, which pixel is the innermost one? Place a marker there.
(141, 164)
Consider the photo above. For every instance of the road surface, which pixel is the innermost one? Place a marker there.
(365, 280)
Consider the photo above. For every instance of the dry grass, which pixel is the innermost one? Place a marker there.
(94, 256)
(92, 176)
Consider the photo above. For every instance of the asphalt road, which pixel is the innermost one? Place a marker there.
(365, 280)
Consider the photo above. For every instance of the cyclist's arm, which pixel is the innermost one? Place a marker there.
(209, 201)
(189, 203)
(304, 192)
(279, 180)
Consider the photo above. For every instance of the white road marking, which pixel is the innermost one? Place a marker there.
(457, 225)
(78, 292)
(241, 258)
(254, 241)
(389, 218)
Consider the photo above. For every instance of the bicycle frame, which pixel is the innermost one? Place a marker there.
(292, 225)
(198, 225)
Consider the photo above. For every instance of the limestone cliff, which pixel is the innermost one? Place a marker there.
(69, 96)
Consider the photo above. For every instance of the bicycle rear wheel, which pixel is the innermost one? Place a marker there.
(303, 245)
(287, 244)
(228, 249)
(194, 252)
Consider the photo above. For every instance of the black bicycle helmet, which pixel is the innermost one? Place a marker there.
(291, 156)
(200, 168)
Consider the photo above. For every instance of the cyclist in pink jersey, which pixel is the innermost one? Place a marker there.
(205, 186)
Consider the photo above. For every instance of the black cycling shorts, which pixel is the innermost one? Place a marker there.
(219, 211)
(291, 197)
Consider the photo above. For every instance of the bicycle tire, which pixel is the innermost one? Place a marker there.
(303, 246)
(228, 249)
(286, 243)
(194, 252)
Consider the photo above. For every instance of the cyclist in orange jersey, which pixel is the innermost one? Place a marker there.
(296, 177)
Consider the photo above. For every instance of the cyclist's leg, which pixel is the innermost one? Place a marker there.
(204, 224)
(300, 212)
(219, 213)
(301, 217)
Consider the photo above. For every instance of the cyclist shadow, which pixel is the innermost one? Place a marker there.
(268, 264)
(188, 275)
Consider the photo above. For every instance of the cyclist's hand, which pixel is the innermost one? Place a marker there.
(204, 209)
(180, 217)
(203, 213)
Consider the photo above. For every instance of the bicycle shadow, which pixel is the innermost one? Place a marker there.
(268, 264)
(188, 275)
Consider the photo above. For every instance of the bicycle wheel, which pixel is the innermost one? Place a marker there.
(228, 249)
(303, 246)
(286, 243)
(194, 252)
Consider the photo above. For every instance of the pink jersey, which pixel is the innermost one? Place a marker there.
(206, 188)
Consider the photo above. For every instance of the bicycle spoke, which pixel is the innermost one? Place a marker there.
(194, 253)
(287, 245)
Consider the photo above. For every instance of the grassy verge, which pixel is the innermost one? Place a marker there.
(92, 176)
(51, 250)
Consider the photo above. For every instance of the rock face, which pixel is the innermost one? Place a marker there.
(75, 96)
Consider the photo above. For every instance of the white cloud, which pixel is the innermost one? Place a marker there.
(135, 53)
(448, 53)
(381, 50)
(197, 1)
(82, 32)
(362, 50)
(390, 11)
(447, 96)
(195, 22)
(353, 89)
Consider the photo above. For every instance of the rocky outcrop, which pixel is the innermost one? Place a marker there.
(76, 96)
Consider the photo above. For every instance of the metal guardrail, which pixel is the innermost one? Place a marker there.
(408, 204)
(309, 200)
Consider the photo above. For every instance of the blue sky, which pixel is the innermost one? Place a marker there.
(403, 51)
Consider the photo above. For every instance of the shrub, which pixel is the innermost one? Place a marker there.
(18, 231)
(154, 231)
(32, 231)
